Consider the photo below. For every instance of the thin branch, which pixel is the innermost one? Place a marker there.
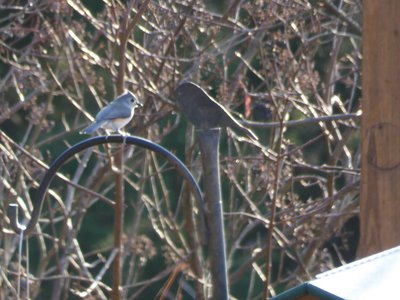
(340, 117)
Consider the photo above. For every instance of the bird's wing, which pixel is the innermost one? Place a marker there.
(114, 111)
(92, 127)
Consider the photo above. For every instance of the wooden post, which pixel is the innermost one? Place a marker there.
(380, 173)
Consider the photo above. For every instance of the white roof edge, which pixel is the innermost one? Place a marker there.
(373, 257)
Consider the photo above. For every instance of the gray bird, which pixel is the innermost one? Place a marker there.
(116, 114)
(204, 112)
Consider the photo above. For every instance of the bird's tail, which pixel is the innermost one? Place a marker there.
(91, 128)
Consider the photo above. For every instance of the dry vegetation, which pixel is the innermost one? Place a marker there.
(286, 67)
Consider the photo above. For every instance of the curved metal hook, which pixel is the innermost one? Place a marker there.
(67, 154)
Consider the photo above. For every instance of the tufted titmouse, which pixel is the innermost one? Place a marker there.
(115, 115)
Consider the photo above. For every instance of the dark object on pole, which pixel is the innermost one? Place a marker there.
(70, 152)
(204, 112)
(208, 117)
(209, 146)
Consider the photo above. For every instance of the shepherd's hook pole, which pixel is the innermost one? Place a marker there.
(29, 225)
(209, 146)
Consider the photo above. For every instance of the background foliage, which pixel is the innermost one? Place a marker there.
(282, 67)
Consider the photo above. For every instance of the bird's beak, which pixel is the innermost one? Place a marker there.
(139, 104)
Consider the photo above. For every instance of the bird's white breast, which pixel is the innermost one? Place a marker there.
(118, 123)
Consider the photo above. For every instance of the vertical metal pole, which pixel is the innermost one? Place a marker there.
(209, 146)
(118, 163)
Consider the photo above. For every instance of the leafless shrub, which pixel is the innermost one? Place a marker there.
(287, 66)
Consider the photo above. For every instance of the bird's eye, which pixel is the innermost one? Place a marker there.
(133, 100)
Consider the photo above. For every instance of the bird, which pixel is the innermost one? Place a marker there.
(116, 114)
(204, 112)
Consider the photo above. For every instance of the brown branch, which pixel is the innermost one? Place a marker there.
(340, 117)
